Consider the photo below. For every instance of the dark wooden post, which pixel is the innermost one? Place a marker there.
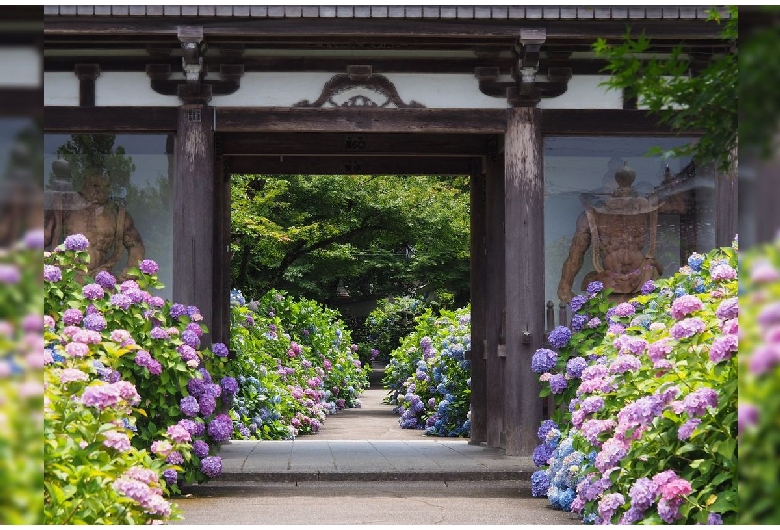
(220, 329)
(524, 277)
(479, 409)
(726, 209)
(193, 211)
(494, 295)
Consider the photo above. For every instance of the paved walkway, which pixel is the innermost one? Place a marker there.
(362, 468)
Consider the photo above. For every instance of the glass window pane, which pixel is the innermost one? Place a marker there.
(644, 214)
(115, 189)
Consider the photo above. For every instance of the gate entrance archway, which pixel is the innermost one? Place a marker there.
(368, 89)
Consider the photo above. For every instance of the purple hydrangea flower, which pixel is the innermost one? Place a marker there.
(609, 504)
(190, 339)
(594, 288)
(143, 358)
(72, 317)
(105, 279)
(685, 305)
(697, 402)
(592, 404)
(220, 350)
(546, 427)
(9, 274)
(686, 429)
(543, 360)
(122, 301)
(747, 416)
(728, 309)
(196, 387)
(95, 322)
(714, 519)
(624, 310)
(669, 510)
(221, 427)
(540, 483)
(577, 302)
(575, 366)
(187, 353)
(170, 476)
(52, 273)
(92, 291)
(156, 302)
(206, 375)
(189, 406)
(175, 458)
(195, 328)
(625, 363)
(211, 466)
(642, 494)
(616, 328)
(159, 333)
(188, 425)
(229, 385)
(559, 337)
(648, 287)
(687, 328)
(192, 311)
(594, 322)
(149, 266)
(542, 454)
(34, 239)
(578, 322)
(200, 448)
(558, 383)
(76, 242)
(207, 404)
(178, 310)
(723, 347)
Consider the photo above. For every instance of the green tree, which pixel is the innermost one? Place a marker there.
(375, 236)
(683, 94)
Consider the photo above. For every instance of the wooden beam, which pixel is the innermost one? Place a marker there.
(602, 122)
(21, 102)
(312, 29)
(193, 212)
(278, 119)
(340, 165)
(110, 119)
(524, 266)
(350, 144)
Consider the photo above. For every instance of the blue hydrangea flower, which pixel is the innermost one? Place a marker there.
(578, 322)
(543, 360)
(540, 483)
(695, 261)
(559, 337)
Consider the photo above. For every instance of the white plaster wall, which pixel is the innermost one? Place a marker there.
(129, 89)
(23, 65)
(584, 92)
(285, 89)
(60, 89)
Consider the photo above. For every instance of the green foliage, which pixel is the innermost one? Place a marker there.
(93, 475)
(429, 376)
(704, 100)
(21, 428)
(295, 364)
(378, 236)
(759, 381)
(391, 321)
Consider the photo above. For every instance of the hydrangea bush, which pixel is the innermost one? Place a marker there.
(388, 324)
(21, 376)
(295, 364)
(181, 384)
(93, 473)
(759, 382)
(653, 427)
(429, 377)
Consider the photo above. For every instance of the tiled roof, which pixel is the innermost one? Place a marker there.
(457, 12)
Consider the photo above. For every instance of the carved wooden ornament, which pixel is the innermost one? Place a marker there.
(359, 88)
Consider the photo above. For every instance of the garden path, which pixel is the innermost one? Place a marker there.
(361, 469)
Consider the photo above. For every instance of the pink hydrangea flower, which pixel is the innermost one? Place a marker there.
(117, 440)
(685, 305)
(76, 349)
(723, 271)
(72, 374)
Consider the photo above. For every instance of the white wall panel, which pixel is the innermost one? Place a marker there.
(60, 89)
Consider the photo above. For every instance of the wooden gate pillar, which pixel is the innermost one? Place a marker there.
(494, 299)
(524, 254)
(479, 409)
(193, 211)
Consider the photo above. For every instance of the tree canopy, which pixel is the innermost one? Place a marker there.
(374, 236)
(682, 93)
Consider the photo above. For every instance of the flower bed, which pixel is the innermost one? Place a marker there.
(21, 364)
(759, 385)
(651, 433)
(429, 376)
(147, 394)
(295, 365)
